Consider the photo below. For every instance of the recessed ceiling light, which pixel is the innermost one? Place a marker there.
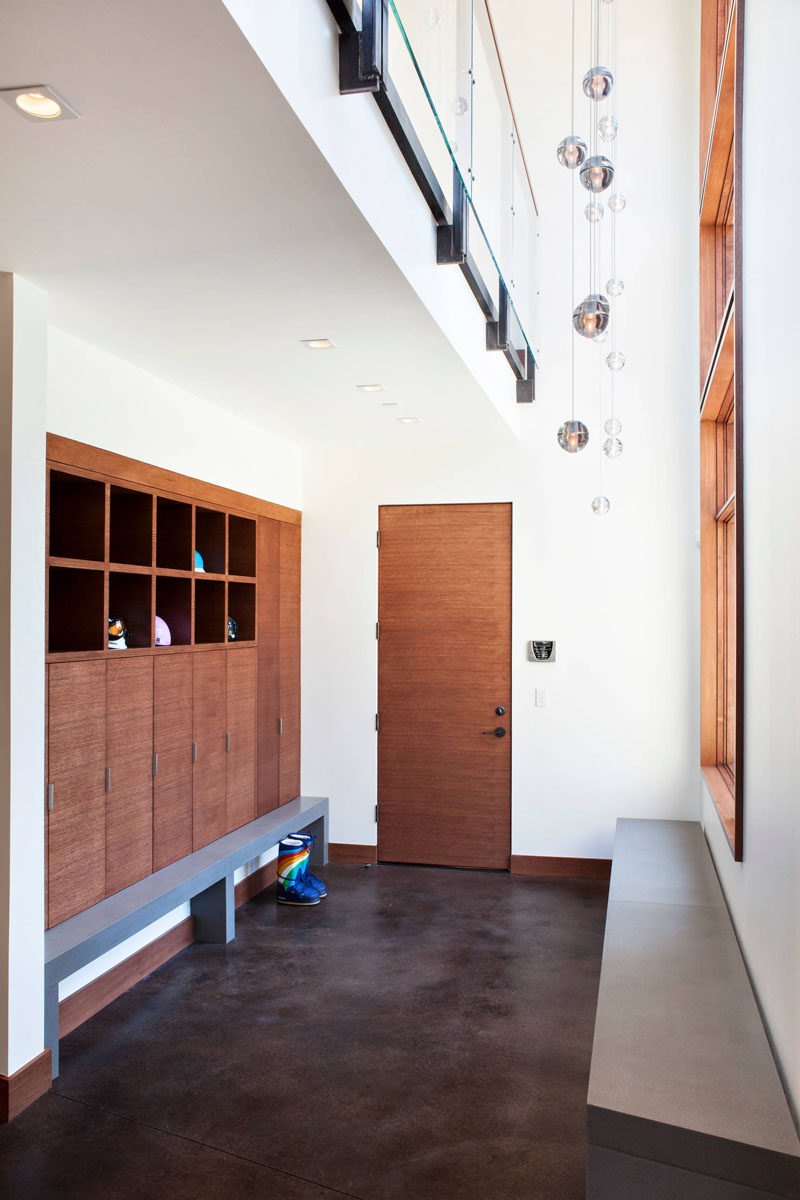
(318, 343)
(38, 102)
(370, 387)
(409, 420)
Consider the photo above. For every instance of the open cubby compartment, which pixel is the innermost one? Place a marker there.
(241, 546)
(174, 607)
(77, 517)
(209, 540)
(75, 617)
(242, 607)
(131, 527)
(130, 599)
(173, 534)
(209, 610)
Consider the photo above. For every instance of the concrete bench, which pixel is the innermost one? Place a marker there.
(204, 879)
(684, 1095)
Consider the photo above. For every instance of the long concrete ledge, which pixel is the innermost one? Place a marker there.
(684, 1095)
(204, 879)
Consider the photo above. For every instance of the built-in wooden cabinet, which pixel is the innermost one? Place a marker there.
(156, 750)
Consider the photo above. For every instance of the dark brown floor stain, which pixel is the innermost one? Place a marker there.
(422, 1034)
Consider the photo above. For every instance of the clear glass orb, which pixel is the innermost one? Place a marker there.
(612, 447)
(617, 202)
(572, 152)
(460, 106)
(615, 361)
(597, 83)
(615, 286)
(597, 173)
(613, 426)
(608, 1)
(601, 337)
(607, 127)
(601, 505)
(573, 436)
(594, 212)
(591, 316)
(432, 18)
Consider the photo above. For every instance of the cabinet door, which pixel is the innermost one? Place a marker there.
(76, 757)
(172, 744)
(290, 662)
(240, 784)
(129, 757)
(208, 735)
(268, 599)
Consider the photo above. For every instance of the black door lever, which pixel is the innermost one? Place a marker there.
(498, 732)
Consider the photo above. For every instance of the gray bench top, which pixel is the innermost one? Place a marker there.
(682, 1071)
(80, 939)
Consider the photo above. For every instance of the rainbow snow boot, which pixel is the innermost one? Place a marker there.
(308, 840)
(292, 868)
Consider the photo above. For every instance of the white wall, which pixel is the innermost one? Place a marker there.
(94, 397)
(23, 342)
(763, 891)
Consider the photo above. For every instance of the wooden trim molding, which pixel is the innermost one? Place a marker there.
(68, 453)
(256, 882)
(27, 1084)
(549, 867)
(352, 852)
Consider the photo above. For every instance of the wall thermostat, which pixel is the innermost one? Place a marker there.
(541, 651)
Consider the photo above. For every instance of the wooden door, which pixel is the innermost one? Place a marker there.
(76, 758)
(172, 744)
(268, 600)
(290, 662)
(129, 758)
(240, 761)
(444, 666)
(208, 735)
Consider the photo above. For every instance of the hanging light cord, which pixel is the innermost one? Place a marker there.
(572, 207)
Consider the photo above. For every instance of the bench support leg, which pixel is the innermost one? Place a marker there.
(213, 911)
(51, 1025)
(319, 853)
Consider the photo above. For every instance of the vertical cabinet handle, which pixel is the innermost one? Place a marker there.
(194, 752)
(155, 765)
(51, 797)
(108, 779)
(280, 724)
(227, 743)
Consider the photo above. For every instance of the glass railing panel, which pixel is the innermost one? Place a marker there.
(520, 265)
(491, 140)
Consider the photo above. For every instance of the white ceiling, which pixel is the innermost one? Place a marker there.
(188, 224)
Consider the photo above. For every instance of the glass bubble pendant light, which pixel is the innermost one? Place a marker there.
(615, 286)
(615, 361)
(591, 316)
(593, 212)
(613, 426)
(597, 173)
(601, 505)
(597, 83)
(572, 152)
(617, 202)
(612, 447)
(607, 127)
(460, 106)
(573, 436)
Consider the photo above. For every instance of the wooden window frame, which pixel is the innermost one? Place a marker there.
(721, 414)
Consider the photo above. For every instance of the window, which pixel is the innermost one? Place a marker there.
(721, 412)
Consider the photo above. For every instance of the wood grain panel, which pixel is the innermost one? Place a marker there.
(240, 761)
(352, 852)
(549, 867)
(172, 742)
(268, 601)
(208, 733)
(19, 1090)
(444, 665)
(255, 883)
(290, 662)
(129, 756)
(76, 757)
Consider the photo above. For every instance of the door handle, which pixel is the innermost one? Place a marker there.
(498, 732)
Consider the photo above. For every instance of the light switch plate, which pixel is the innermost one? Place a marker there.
(541, 698)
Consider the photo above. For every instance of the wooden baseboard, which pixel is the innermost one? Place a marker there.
(251, 885)
(352, 852)
(27, 1084)
(547, 867)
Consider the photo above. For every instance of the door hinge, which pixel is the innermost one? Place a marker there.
(378, 630)
(378, 539)
(377, 813)
(280, 724)
(377, 722)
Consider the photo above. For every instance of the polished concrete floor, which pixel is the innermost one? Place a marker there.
(422, 1034)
